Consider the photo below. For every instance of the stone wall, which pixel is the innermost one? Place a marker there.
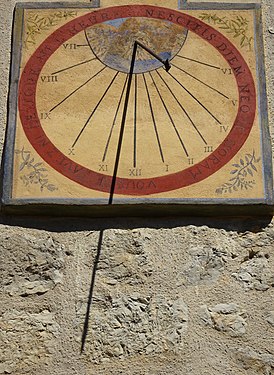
(136, 296)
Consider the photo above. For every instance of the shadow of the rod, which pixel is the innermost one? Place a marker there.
(92, 283)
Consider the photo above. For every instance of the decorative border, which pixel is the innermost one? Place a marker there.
(53, 5)
(183, 4)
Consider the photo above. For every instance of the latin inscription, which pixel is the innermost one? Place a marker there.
(42, 141)
(127, 185)
(231, 58)
(245, 99)
(70, 165)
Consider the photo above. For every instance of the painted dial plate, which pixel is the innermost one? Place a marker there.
(188, 131)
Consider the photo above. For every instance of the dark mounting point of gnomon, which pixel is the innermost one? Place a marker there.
(167, 65)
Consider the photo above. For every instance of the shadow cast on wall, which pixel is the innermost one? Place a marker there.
(70, 224)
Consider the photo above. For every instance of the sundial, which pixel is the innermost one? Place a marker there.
(137, 108)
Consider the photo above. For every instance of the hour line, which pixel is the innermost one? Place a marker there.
(184, 110)
(154, 121)
(199, 62)
(197, 79)
(78, 88)
(196, 99)
(94, 110)
(169, 115)
(114, 120)
(73, 66)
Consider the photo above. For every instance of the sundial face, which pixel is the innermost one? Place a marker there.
(97, 122)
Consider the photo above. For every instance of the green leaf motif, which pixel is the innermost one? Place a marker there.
(244, 169)
(35, 24)
(250, 171)
(34, 175)
(238, 27)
